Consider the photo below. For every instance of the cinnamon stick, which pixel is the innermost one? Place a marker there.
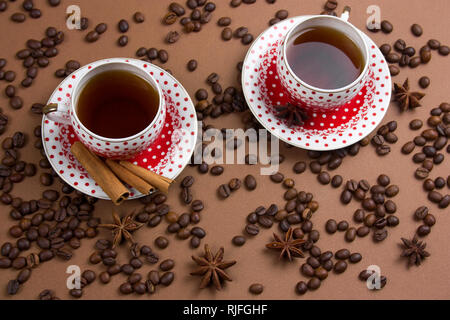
(160, 182)
(130, 178)
(100, 172)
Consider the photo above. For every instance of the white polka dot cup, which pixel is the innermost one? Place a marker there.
(120, 148)
(306, 95)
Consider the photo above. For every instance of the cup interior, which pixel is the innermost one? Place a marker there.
(337, 24)
(113, 66)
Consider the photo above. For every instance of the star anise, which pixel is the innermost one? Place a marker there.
(294, 115)
(288, 246)
(405, 98)
(122, 228)
(212, 267)
(414, 250)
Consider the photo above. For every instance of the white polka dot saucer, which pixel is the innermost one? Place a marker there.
(167, 156)
(334, 129)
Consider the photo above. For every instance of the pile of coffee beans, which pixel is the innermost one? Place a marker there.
(385, 134)
(37, 54)
(200, 13)
(431, 141)
(422, 214)
(404, 55)
(379, 205)
(55, 223)
(319, 264)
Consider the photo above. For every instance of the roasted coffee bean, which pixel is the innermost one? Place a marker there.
(408, 147)
(444, 50)
(324, 178)
(423, 230)
(416, 30)
(250, 182)
(192, 65)
(342, 225)
(340, 266)
(161, 242)
(385, 49)
(350, 234)
(342, 254)
(424, 82)
(336, 181)
(167, 278)
(122, 41)
(445, 201)
(346, 196)
(421, 173)
(386, 26)
(238, 240)
(393, 57)
(393, 70)
(299, 167)
(177, 8)
(240, 32)
(18, 17)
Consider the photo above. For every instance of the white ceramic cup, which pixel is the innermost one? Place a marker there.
(306, 95)
(121, 148)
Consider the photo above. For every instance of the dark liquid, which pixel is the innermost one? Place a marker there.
(117, 104)
(325, 58)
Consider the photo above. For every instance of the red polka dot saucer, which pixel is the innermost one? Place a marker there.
(334, 129)
(167, 156)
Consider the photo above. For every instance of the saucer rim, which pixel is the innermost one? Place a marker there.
(293, 142)
(137, 195)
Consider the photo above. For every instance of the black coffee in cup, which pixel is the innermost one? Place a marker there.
(324, 57)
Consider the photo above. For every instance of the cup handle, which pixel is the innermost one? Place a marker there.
(57, 112)
(346, 13)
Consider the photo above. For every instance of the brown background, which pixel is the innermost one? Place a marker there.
(224, 219)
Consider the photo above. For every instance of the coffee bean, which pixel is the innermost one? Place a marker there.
(383, 150)
(192, 65)
(16, 102)
(408, 147)
(393, 70)
(445, 201)
(167, 278)
(18, 17)
(163, 55)
(424, 82)
(324, 178)
(238, 240)
(235, 3)
(385, 49)
(299, 167)
(421, 173)
(416, 30)
(122, 41)
(250, 182)
(123, 26)
(217, 170)
(256, 288)
(346, 196)
(227, 34)
(314, 283)
(409, 51)
(161, 242)
(342, 254)
(172, 37)
(340, 266)
(177, 8)
(414, 62)
(444, 50)
(301, 288)
(386, 26)
(282, 14)
(92, 36)
(393, 57)
(350, 235)
(252, 229)
(138, 17)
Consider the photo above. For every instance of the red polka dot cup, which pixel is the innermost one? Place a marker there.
(120, 148)
(306, 95)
